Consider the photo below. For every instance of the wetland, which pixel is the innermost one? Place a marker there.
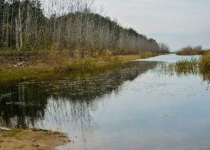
(144, 104)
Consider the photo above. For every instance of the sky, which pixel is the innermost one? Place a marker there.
(178, 23)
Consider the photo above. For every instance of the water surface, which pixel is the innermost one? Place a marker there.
(137, 106)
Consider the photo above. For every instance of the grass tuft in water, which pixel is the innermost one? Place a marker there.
(186, 65)
(204, 65)
(183, 67)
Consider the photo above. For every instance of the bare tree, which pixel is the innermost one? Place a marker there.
(72, 26)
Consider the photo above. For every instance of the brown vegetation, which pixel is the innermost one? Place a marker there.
(41, 64)
(191, 50)
(204, 65)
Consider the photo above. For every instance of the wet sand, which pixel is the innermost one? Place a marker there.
(31, 139)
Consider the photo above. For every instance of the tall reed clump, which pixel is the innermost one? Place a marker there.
(187, 65)
(204, 63)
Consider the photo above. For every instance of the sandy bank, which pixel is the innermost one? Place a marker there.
(31, 139)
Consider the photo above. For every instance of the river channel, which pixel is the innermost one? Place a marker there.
(139, 106)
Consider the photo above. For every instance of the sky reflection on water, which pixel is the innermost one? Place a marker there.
(153, 112)
(169, 58)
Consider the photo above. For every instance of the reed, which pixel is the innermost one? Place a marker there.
(204, 63)
(185, 66)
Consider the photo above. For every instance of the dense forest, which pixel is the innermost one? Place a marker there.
(25, 26)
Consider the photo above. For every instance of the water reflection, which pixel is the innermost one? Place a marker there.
(23, 103)
(140, 106)
(171, 70)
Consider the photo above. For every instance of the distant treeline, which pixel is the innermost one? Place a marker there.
(24, 26)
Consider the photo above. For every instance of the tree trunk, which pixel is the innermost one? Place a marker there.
(17, 34)
(20, 29)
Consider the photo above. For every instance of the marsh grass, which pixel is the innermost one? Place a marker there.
(204, 65)
(187, 65)
(56, 63)
(183, 67)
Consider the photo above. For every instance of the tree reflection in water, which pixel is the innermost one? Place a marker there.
(23, 103)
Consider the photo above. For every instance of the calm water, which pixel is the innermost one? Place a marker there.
(138, 106)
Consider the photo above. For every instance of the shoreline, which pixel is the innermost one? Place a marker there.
(57, 65)
(54, 68)
(33, 139)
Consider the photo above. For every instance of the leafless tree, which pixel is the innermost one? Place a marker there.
(71, 25)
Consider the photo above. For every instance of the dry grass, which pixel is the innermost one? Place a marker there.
(55, 62)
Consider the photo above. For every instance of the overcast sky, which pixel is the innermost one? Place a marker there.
(175, 22)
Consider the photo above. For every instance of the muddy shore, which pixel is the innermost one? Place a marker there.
(31, 139)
